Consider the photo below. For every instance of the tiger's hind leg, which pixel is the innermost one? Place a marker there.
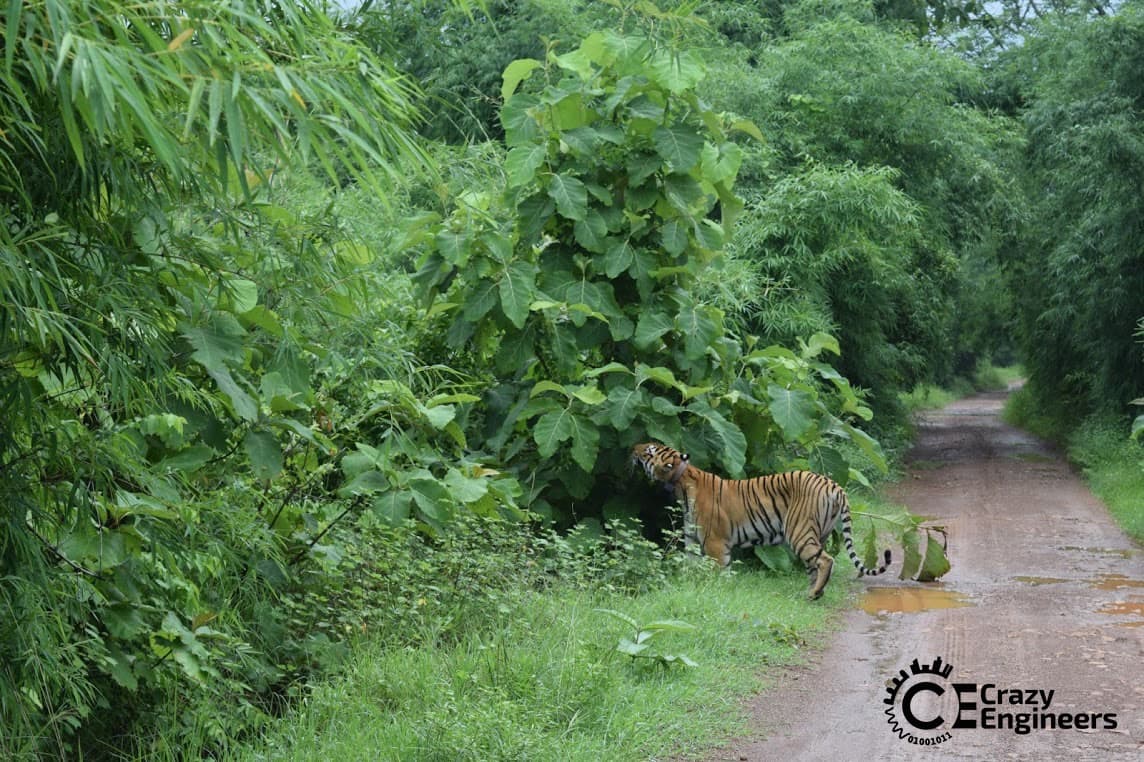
(819, 564)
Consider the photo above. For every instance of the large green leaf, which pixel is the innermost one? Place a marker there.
(777, 558)
(570, 195)
(439, 416)
(912, 559)
(394, 506)
(653, 324)
(218, 343)
(551, 429)
(592, 231)
(679, 145)
(677, 70)
(618, 258)
(465, 489)
(870, 446)
(827, 460)
(673, 236)
(721, 164)
(533, 214)
(818, 343)
(481, 297)
(244, 405)
(265, 454)
(585, 443)
(685, 194)
(432, 498)
(515, 73)
(238, 295)
(124, 620)
(699, 330)
(517, 290)
(732, 441)
(936, 563)
(708, 234)
(792, 409)
(522, 162)
(623, 406)
(519, 125)
(657, 373)
(189, 460)
(365, 483)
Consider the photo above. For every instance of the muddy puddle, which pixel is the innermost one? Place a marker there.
(1103, 582)
(1116, 582)
(1121, 552)
(1041, 580)
(1125, 608)
(895, 600)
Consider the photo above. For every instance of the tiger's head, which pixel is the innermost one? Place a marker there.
(660, 462)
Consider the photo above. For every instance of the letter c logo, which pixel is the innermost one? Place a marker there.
(907, 709)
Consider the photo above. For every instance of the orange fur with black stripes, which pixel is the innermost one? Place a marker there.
(797, 507)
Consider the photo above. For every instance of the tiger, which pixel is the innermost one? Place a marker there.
(798, 507)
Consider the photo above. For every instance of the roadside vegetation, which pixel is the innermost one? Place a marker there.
(986, 377)
(1106, 450)
(325, 335)
(551, 669)
(508, 643)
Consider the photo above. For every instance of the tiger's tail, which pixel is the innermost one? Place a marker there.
(863, 570)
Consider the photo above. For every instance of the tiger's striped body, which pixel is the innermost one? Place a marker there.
(797, 507)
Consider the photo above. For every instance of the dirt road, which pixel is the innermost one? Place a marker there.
(1045, 594)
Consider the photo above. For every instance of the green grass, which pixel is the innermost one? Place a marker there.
(989, 377)
(1113, 464)
(986, 377)
(928, 397)
(548, 683)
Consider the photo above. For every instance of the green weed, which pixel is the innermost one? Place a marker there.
(548, 683)
(1113, 464)
(1101, 445)
(927, 397)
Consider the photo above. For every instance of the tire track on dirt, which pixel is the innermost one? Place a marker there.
(1055, 595)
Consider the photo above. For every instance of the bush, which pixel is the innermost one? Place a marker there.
(1113, 463)
(397, 585)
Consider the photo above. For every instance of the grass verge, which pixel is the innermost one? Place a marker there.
(548, 682)
(986, 377)
(1113, 464)
(1100, 445)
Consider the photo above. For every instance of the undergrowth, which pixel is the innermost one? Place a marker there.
(508, 650)
(1113, 464)
(1101, 446)
(986, 377)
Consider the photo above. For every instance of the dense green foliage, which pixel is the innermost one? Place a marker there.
(573, 287)
(167, 378)
(296, 352)
(1077, 280)
(543, 678)
(1100, 446)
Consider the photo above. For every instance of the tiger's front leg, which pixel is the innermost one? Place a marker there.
(819, 564)
(717, 549)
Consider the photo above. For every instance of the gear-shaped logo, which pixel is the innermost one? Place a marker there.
(914, 702)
